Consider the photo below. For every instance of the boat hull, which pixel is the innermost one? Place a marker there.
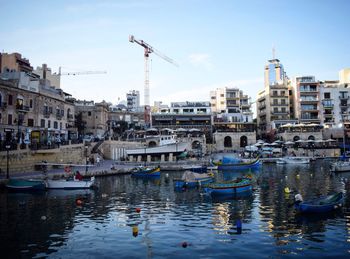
(231, 188)
(255, 164)
(192, 184)
(293, 160)
(340, 167)
(25, 185)
(155, 172)
(316, 206)
(70, 184)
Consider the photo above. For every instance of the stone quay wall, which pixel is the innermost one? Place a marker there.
(26, 159)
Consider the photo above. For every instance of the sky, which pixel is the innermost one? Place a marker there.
(217, 43)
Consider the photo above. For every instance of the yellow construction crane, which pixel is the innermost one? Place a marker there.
(148, 49)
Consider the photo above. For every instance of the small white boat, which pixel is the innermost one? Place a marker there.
(341, 166)
(293, 160)
(70, 184)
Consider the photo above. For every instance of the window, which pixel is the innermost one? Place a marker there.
(42, 123)
(275, 101)
(283, 109)
(49, 124)
(283, 93)
(10, 100)
(327, 95)
(30, 123)
(275, 93)
(55, 125)
(275, 110)
(31, 103)
(89, 113)
(283, 101)
(9, 119)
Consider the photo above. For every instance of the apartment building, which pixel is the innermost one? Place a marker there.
(274, 105)
(31, 109)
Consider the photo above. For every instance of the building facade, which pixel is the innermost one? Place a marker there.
(273, 103)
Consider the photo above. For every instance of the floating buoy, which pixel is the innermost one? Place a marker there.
(166, 175)
(43, 217)
(79, 202)
(286, 190)
(298, 176)
(135, 231)
(184, 244)
(138, 210)
(104, 195)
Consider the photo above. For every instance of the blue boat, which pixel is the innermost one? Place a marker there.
(143, 171)
(321, 205)
(26, 185)
(237, 186)
(191, 179)
(231, 163)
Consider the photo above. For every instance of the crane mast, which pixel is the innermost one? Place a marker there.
(148, 49)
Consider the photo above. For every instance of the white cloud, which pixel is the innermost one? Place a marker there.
(201, 60)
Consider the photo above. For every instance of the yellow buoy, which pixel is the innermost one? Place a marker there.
(286, 190)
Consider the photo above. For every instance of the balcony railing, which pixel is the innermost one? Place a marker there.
(279, 104)
(22, 108)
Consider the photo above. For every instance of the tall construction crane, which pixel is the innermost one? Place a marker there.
(148, 49)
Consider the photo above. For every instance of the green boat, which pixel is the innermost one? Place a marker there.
(26, 185)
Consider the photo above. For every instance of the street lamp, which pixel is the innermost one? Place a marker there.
(8, 158)
(86, 159)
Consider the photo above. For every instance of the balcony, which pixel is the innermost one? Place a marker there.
(309, 100)
(279, 112)
(59, 116)
(46, 114)
(279, 95)
(313, 89)
(343, 97)
(22, 108)
(279, 86)
(262, 106)
(279, 104)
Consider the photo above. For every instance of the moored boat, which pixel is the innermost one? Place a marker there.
(25, 185)
(293, 160)
(143, 171)
(340, 166)
(192, 179)
(321, 205)
(233, 187)
(228, 163)
(70, 183)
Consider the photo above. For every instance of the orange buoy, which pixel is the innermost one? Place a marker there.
(79, 202)
(138, 210)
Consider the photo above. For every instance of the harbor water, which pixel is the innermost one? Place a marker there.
(127, 217)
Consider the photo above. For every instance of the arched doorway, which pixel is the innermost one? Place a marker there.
(296, 138)
(243, 141)
(227, 141)
(311, 137)
(152, 144)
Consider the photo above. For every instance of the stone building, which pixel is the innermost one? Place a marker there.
(32, 111)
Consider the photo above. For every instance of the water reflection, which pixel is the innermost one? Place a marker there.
(131, 217)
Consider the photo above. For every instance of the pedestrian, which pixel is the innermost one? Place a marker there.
(98, 161)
